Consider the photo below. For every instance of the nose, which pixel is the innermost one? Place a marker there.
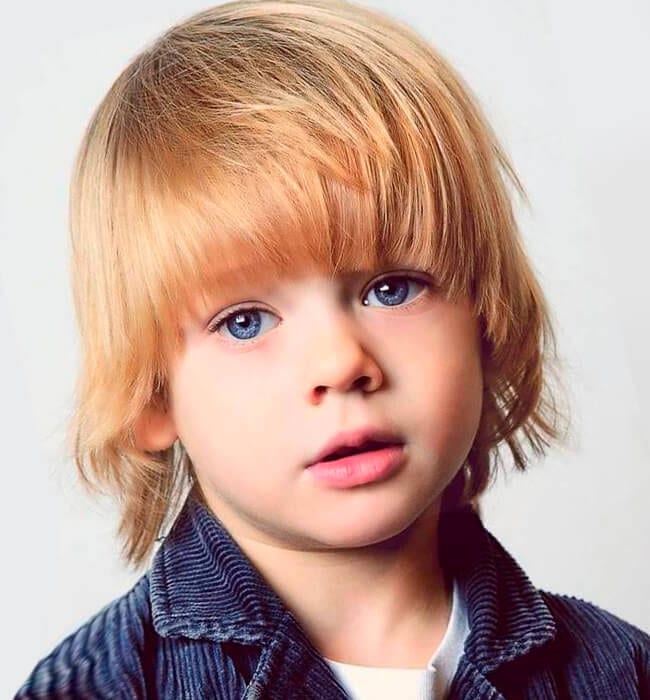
(339, 361)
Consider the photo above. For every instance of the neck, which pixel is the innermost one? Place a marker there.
(385, 605)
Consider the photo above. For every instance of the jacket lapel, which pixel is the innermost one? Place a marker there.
(204, 587)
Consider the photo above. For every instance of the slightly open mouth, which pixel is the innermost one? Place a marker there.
(365, 447)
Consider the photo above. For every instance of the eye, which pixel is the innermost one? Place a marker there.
(394, 290)
(248, 322)
(244, 323)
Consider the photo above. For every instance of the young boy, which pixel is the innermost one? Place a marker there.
(307, 325)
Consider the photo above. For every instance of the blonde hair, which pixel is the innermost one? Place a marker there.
(264, 135)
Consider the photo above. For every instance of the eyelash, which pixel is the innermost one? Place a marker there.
(219, 321)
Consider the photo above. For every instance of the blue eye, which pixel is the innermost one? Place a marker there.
(393, 290)
(243, 324)
(246, 322)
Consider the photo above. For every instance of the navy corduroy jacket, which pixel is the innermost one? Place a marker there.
(202, 623)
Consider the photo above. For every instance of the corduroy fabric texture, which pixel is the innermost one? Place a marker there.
(202, 623)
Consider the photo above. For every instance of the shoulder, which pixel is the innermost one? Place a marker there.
(599, 638)
(590, 622)
(103, 658)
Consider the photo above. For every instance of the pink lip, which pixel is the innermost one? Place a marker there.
(354, 438)
(358, 469)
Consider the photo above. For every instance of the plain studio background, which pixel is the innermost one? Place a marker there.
(565, 85)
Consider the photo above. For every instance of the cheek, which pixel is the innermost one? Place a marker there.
(218, 411)
(450, 395)
(229, 389)
(447, 383)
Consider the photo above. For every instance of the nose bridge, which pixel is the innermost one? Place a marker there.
(338, 353)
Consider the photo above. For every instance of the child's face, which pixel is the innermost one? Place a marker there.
(256, 400)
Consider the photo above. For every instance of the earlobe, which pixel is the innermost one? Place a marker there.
(154, 430)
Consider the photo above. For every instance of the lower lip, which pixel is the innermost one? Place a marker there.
(355, 470)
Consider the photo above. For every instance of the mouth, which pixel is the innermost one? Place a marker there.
(369, 446)
(361, 441)
(358, 465)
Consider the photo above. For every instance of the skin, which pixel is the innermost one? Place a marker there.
(252, 413)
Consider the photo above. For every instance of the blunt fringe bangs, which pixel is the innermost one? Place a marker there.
(260, 137)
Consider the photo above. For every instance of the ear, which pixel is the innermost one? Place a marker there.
(154, 430)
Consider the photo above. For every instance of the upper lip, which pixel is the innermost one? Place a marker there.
(355, 438)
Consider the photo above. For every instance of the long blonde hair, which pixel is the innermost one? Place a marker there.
(265, 135)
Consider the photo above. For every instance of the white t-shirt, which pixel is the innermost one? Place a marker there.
(430, 683)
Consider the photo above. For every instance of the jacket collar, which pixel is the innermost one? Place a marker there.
(203, 586)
